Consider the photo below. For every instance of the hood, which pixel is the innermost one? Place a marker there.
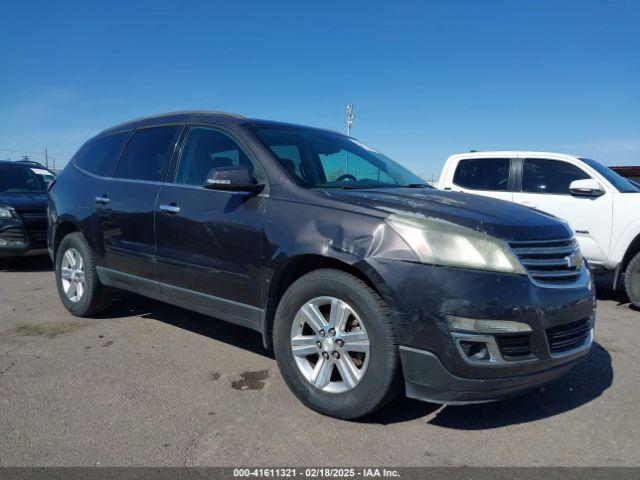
(498, 218)
(25, 201)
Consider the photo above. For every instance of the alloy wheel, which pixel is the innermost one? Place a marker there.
(330, 344)
(72, 275)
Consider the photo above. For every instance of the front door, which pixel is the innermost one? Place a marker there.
(209, 242)
(545, 187)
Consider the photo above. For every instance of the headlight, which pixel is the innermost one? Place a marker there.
(440, 242)
(5, 212)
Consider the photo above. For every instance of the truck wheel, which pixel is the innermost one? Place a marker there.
(78, 285)
(632, 280)
(335, 346)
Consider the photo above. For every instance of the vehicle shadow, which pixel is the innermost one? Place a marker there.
(40, 263)
(128, 305)
(605, 292)
(584, 383)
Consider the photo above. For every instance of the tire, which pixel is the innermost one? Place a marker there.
(366, 316)
(94, 297)
(632, 280)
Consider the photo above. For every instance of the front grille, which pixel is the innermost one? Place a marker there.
(514, 345)
(568, 336)
(36, 223)
(549, 261)
(13, 234)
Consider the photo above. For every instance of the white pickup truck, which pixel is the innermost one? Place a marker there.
(601, 207)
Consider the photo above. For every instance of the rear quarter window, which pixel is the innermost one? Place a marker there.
(483, 174)
(100, 156)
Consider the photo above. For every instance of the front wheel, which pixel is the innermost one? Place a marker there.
(335, 346)
(632, 280)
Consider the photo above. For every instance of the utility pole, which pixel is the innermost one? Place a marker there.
(46, 158)
(350, 116)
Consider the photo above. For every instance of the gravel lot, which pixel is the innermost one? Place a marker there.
(152, 384)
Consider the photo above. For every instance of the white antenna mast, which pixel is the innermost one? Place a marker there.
(350, 117)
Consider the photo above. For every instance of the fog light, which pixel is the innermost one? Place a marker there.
(475, 350)
(486, 326)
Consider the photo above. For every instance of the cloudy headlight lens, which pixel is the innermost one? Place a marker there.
(5, 213)
(440, 242)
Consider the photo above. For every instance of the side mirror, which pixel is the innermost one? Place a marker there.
(586, 188)
(233, 177)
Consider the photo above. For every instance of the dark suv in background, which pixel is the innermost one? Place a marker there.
(361, 277)
(23, 208)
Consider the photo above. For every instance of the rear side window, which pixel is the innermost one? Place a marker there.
(145, 154)
(483, 174)
(100, 156)
(549, 176)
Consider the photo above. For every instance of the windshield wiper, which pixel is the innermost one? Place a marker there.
(418, 185)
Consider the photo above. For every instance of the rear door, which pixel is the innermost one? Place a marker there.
(209, 242)
(491, 177)
(545, 187)
(124, 218)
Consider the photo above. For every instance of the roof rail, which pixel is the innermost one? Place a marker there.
(180, 112)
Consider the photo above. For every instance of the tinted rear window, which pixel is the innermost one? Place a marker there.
(145, 154)
(100, 156)
(483, 174)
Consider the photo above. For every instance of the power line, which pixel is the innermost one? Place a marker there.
(35, 153)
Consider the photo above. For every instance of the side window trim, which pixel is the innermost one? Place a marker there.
(175, 162)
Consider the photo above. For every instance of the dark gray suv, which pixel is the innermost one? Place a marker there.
(363, 279)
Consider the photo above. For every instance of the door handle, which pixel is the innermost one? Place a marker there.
(103, 200)
(172, 208)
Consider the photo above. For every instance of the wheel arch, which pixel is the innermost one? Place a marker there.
(297, 266)
(632, 250)
(63, 228)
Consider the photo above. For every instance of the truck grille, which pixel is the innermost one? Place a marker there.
(568, 336)
(549, 261)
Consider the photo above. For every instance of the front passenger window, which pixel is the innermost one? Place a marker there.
(205, 149)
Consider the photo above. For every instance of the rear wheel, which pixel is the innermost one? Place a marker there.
(632, 280)
(78, 285)
(334, 343)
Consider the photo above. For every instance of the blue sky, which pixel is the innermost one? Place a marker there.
(428, 79)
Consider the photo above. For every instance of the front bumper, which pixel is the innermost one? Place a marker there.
(20, 237)
(436, 369)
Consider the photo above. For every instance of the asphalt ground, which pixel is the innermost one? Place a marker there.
(151, 384)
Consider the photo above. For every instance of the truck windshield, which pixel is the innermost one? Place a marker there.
(321, 159)
(19, 179)
(619, 182)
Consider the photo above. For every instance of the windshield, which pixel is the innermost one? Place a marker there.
(19, 179)
(620, 183)
(321, 159)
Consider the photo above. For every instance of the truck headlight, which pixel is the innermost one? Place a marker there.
(439, 242)
(5, 212)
